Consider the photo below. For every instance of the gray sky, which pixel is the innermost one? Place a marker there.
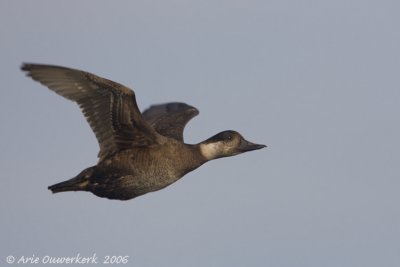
(317, 81)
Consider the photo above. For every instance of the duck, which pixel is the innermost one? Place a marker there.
(139, 152)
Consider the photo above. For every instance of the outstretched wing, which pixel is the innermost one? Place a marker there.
(170, 119)
(110, 108)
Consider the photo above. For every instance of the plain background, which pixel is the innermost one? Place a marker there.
(316, 81)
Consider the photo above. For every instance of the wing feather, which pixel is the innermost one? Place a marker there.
(170, 119)
(110, 108)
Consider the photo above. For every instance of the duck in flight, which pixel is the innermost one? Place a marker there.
(139, 152)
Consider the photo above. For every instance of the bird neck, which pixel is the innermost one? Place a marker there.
(210, 151)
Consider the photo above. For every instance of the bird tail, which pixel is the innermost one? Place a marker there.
(78, 183)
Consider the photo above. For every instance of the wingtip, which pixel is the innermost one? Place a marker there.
(24, 66)
(27, 66)
(194, 110)
(32, 66)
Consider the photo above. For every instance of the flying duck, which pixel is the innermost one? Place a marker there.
(139, 152)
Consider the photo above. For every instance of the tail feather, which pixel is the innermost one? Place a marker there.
(79, 183)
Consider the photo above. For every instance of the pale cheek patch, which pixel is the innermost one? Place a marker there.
(210, 151)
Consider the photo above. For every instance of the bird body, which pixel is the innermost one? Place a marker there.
(144, 170)
(139, 152)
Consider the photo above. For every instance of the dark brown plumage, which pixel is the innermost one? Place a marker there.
(139, 153)
(170, 119)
